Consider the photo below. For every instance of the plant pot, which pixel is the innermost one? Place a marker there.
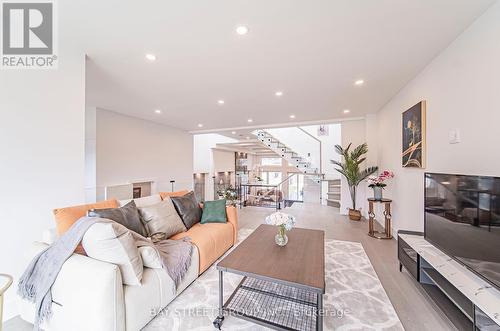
(354, 215)
(377, 193)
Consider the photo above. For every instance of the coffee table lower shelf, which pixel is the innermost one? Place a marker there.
(274, 305)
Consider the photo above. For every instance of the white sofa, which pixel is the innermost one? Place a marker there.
(89, 295)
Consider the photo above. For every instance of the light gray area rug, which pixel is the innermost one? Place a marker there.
(354, 299)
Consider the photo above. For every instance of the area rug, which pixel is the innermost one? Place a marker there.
(354, 299)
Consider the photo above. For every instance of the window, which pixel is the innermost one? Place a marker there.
(296, 187)
(270, 161)
(271, 177)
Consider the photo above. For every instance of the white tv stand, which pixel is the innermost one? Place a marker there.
(450, 284)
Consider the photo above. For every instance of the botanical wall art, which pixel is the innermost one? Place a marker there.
(414, 136)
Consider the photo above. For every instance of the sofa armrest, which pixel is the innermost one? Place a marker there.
(83, 286)
(232, 217)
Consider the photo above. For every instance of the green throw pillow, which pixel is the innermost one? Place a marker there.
(214, 212)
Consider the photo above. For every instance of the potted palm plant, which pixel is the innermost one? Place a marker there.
(349, 167)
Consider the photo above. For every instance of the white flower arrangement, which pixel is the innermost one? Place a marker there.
(281, 220)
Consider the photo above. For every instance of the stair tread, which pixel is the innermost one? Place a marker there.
(332, 200)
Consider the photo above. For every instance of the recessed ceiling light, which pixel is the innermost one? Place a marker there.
(220, 102)
(249, 120)
(234, 132)
(292, 116)
(346, 111)
(200, 125)
(359, 82)
(158, 111)
(151, 57)
(278, 94)
(241, 30)
(248, 137)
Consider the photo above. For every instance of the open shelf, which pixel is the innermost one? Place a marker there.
(462, 303)
(454, 314)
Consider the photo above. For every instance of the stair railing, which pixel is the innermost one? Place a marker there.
(264, 195)
(320, 149)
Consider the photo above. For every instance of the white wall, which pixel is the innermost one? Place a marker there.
(41, 155)
(203, 144)
(462, 92)
(353, 132)
(223, 160)
(90, 154)
(134, 150)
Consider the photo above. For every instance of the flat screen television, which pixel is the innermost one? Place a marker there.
(462, 218)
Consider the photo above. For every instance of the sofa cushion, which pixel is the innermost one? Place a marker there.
(66, 217)
(162, 217)
(188, 209)
(173, 194)
(214, 212)
(142, 202)
(150, 257)
(211, 239)
(111, 242)
(128, 216)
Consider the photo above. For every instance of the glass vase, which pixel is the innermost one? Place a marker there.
(281, 238)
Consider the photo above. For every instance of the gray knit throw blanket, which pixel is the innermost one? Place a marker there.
(36, 282)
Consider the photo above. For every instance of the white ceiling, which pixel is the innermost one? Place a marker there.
(313, 51)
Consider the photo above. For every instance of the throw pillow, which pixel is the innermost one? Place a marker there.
(66, 217)
(214, 212)
(150, 257)
(173, 194)
(127, 216)
(142, 202)
(162, 217)
(111, 242)
(188, 209)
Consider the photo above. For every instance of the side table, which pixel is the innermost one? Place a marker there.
(387, 216)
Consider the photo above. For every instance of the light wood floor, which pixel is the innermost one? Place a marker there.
(414, 308)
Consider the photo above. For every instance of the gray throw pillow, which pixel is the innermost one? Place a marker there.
(188, 209)
(128, 216)
(162, 217)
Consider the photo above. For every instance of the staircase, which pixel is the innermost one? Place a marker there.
(301, 163)
(333, 199)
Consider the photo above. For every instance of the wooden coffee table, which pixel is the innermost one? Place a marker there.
(282, 287)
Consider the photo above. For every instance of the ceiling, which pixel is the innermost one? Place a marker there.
(313, 51)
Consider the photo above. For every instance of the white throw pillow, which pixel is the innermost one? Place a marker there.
(142, 202)
(150, 257)
(111, 242)
(163, 218)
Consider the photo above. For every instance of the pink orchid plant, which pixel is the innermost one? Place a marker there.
(378, 181)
